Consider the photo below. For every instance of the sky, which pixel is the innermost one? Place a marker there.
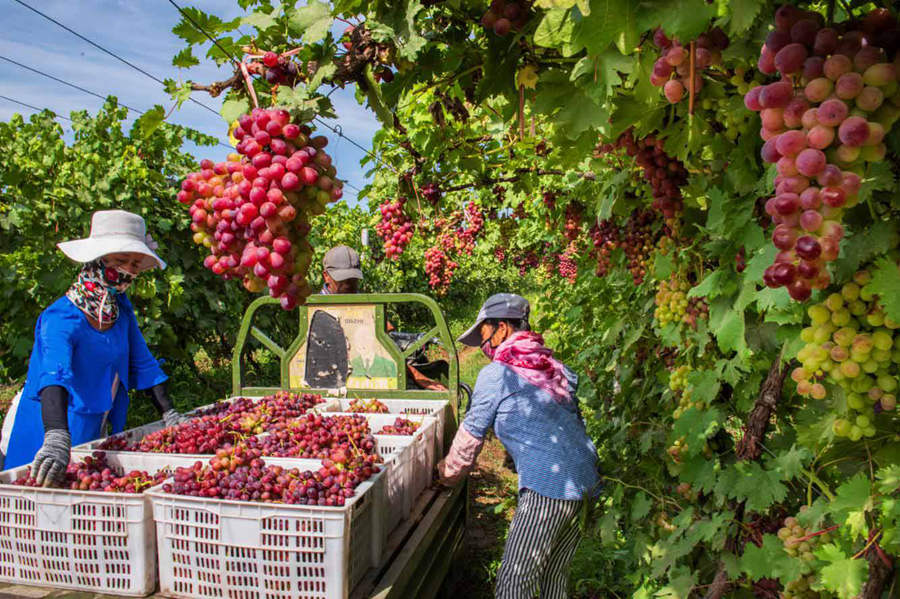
(139, 31)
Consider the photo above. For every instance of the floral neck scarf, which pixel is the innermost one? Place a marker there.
(92, 290)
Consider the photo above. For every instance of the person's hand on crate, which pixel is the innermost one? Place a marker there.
(51, 460)
(173, 418)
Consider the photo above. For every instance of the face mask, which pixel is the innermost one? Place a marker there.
(488, 350)
(116, 280)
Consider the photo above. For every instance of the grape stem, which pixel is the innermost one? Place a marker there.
(817, 533)
(874, 538)
(691, 81)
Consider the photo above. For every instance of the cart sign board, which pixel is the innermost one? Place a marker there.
(342, 349)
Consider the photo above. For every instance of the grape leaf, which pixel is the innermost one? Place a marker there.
(709, 287)
(640, 507)
(888, 478)
(878, 178)
(728, 329)
(886, 284)
(575, 111)
(312, 21)
(609, 21)
(211, 24)
(234, 107)
(705, 384)
(663, 266)
(555, 30)
(185, 59)
(791, 462)
(685, 19)
(743, 13)
(862, 247)
(750, 482)
(770, 561)
(260, 20)
(843, 574)
(853, 495)
(150, 121)
(695, 426)
(700, 473)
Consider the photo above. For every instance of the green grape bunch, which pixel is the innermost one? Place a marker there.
(852, 344)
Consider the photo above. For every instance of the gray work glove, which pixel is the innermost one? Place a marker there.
(49, 465)
(173, 418)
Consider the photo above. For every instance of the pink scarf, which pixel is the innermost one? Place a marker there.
(526, 354)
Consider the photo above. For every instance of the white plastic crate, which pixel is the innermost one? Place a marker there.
(84, 540)
(438, 409)
(213, 548)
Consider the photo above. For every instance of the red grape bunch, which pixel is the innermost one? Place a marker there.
(92, 473)
(240, 474)
(567, 263)
(251, 211)
(572, 226)
(221, 424)
(401, 426)
(279, 70)
(526, 261)
(317, 436)
(503, 16)
(439, 268)
(370, 406)
(473, 224)
(822, 122)
(432, 193)
(672, 71)
(605, 238)
(395, 227)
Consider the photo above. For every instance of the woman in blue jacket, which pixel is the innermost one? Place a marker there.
(88, 353)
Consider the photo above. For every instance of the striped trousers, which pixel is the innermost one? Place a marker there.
(542, 540)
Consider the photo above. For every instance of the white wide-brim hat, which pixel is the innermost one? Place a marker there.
(112, 231)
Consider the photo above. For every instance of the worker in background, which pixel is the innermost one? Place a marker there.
(341, 273)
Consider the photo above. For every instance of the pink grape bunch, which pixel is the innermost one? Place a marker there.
(395, 227)
(240, 474)
(93, 473)
(822, 122)
(370, 406)
(503, 16)
(401, 426)
(440, 268)
(251, 211)
(473, 224)
(567, 263)
(671, 71)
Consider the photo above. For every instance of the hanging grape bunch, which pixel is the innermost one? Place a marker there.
(503, 17)
(801, 542)
(672, 70)
(251, 211)
(683, 391)
(567, 263)
(439, 268)
(278, 69)
(605, 238)
(572, 226)
(395, 228)
(823, 122)
(851, 343)
(665, 174)
(432, 193)
(473, 224)
(674, 306)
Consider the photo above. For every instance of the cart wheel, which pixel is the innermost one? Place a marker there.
(465, 396)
